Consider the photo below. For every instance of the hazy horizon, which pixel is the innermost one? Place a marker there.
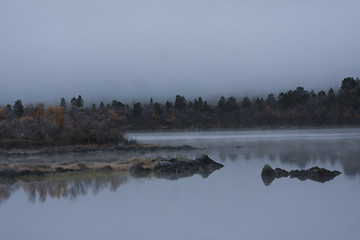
(132, 50)
(146, 100)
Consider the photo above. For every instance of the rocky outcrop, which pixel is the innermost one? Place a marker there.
(177, 168)
(138, 167)
(317, 174)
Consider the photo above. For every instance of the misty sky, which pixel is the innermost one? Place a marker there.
(133, 50)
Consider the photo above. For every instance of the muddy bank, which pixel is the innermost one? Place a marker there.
(129, 147)
(138, 167)
(72, 179)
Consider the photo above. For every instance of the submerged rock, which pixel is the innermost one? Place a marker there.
(315, 174)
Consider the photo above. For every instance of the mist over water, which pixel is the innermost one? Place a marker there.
(299, 148)
(336, 149)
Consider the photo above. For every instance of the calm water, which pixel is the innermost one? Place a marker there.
(232, 203)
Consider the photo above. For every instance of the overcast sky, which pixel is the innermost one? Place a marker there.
(133, 50)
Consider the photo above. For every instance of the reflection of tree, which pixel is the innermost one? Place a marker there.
(63, 185)
(222, 155)
(232, 156)
(4, 193)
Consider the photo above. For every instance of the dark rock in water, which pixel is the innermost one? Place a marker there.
(139, 171)
(268, 175)
(177, 168)
(267, 171)
(315, 174)
(279, 173)
(299, 174)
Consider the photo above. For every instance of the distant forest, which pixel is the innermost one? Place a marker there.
(72, 123)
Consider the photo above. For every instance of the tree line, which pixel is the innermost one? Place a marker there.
(74, 123)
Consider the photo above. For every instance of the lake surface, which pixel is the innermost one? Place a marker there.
(231, 203)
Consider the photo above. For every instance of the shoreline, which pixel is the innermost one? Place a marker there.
(90, 148)
(137, 166)
(265, 128)
(131, 145)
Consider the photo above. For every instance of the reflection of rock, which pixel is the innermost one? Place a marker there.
(315, 173)
(176, 168)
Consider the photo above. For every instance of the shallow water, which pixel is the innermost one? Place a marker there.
(232, 203)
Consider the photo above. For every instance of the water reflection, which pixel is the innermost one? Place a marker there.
(74, 184)
(64, 185)
(304, 153)
(301, 153)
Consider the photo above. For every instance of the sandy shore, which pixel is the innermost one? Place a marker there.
(25, 167)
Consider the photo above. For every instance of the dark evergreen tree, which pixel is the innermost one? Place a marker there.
(18, 108)
(77, 102)
(180, 102)
(157, 108)
(222, 104)
(168, 105)
(349, 83)
(321, 94)
(117, 105)
(8, 108)
(246, 102)
(259, 103)
(137, 110)
(231, 104)
(271, 100)
(63, 103)
(198, 104)
(102, 105)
